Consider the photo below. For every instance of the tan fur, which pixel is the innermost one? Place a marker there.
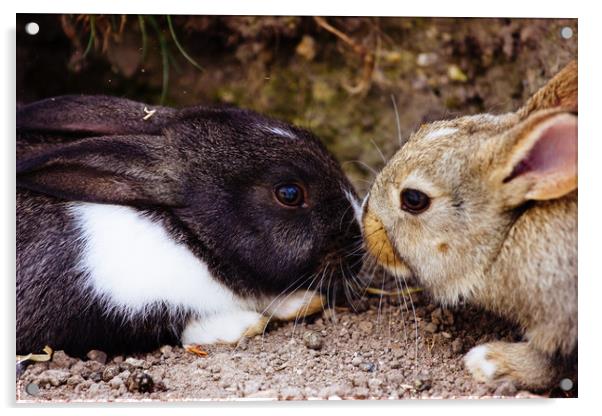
(255, 329)
(314, 304)
(518, 361)
(483, 238)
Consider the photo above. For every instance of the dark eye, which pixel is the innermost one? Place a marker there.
(290, 195)
(414, 201)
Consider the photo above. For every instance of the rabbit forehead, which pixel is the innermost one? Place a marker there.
(442, 151)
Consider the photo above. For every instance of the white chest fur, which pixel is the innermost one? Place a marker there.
(133, 264)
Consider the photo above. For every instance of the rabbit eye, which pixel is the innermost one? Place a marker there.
(290, 195)
(414, 201)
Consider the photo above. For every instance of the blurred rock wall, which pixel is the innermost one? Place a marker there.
(335, 76)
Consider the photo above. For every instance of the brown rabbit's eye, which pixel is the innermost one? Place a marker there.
(290, 195)
(414, 201)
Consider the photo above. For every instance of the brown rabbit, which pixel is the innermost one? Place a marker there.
(484, 208)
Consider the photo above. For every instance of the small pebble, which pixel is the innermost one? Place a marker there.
(167, 351)
(116, 383)
(437, 316)
(422, 382)
(98, 356)
(95, 377)
(110, 372)
(140, 381)
(75, 380)
(374, 383)
(431, 327)
(313, 340)
(366, 326)
(359, 380)
(61, 360)
(32, 389)
(52, 377)
(457, 346)
(367, 366)
(134, 362)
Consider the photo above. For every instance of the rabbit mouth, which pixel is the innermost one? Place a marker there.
(379, 247)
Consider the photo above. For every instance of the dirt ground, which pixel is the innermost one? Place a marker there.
(341, 354)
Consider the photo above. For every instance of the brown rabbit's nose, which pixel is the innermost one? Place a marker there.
(377, 242)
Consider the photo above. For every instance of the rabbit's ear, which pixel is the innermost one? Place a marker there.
(93, 115)
(542, 161)
(559, 92)
(126, 170)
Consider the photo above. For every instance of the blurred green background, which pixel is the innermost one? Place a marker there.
(333, 75)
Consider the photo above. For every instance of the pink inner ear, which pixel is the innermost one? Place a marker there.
(554, 152)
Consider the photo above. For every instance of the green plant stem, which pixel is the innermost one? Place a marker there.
(164, 58)
(92, 36)
(180, 48)
(144, 37)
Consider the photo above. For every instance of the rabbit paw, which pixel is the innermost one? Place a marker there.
(296, 305)
(226, 328)
(519, 363)
(480, 366)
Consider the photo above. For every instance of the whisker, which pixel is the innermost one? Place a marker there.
(364, 164)
(280, 303)
(308, 291)
(379, 151)
(397, 123)
(413, 312)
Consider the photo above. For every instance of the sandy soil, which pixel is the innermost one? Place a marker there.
(373, 353)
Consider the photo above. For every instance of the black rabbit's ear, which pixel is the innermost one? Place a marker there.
(125, 170)
(93, 115)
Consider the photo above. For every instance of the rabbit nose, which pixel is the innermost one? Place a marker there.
(378, 243)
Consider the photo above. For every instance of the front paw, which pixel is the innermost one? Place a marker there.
(480, 364)
(225, 328)
(518, 363)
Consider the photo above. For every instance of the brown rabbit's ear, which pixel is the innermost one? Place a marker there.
(126, 170)
(542, 158)
(559, 92)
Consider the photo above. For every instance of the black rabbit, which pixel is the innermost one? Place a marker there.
(139, 226)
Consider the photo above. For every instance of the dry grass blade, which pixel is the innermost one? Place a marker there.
(408, 291)
(197, 350)
(37, 357)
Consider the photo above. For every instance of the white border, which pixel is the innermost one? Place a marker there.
(590, 153)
